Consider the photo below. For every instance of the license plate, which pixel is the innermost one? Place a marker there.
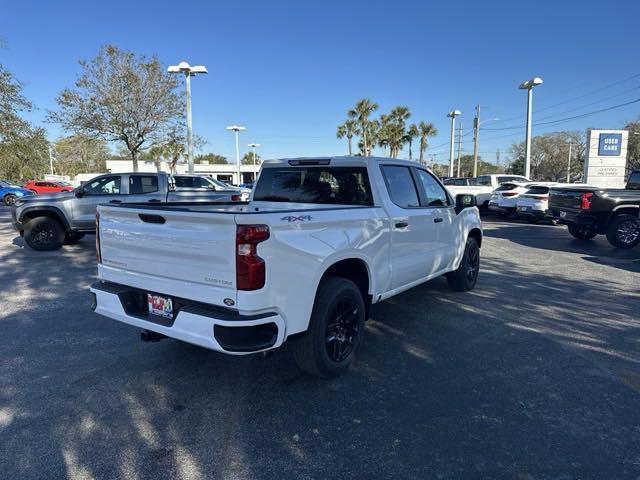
(523, 209)
(563, 214)
(161, 306)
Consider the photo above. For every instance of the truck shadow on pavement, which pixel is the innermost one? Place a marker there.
(523, 377)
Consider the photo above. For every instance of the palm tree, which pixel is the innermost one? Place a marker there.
(411, 135)
(426, 130)
(348, 129)
(360, 114)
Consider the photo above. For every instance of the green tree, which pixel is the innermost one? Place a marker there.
(633, 146)
(80, 154)
(122, 97)
(348, 129)
(550, 157)
(360, 114)
(247, 159)
(211, 158)
(411, 135)
(426, 130)
(466, 166)
(24, 149)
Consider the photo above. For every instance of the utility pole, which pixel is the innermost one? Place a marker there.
(50, 159)
(459, 146)
(569, 165)
(476, 126)
(498, 159)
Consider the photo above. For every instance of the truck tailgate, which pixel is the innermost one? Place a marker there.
(186, 254)
(566, 197)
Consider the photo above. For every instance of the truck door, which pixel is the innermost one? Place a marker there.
(434, 196)
(414, 246)
(103, 189)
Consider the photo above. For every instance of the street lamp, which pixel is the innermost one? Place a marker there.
(188, 71)
(453, 114)
(255, 170)
(528, 86)
(236, 129)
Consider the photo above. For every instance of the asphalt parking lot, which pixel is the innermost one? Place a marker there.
(535, 374)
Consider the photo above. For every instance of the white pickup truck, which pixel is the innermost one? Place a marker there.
(320, 240)
(481, 187)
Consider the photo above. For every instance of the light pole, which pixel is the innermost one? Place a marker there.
(569, 165)
(528, 86)
(237, 129)
(255, 170)
(453, 114)
(188, 71)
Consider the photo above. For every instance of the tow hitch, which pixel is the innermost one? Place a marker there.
(149, 336)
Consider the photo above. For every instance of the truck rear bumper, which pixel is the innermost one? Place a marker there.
(215, 328)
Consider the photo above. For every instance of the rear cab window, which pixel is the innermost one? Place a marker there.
(400, 185)
(141, 184)
(324, 184)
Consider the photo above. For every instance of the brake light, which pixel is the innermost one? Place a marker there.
(98, 251)
(586, 199)
(235, 198)
(250, 268)
(509, 194)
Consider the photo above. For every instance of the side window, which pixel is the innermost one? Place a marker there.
(41, 184)
(141, 184)
(400, 186)
(183, 182)
(436, 195)
(200, 182)
(634, 181)
(483, 180)
(103, 186)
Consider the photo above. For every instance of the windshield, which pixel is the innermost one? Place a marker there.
(324, 185)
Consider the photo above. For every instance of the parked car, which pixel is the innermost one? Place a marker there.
(503, 199)
(589, 211)
(48, 186)
(48, 221)
(10, 192)
(484, 185)
(184, 182)
(320, 241)
(247, 185)
(533, 205)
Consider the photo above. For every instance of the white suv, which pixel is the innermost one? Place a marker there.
(504, 198)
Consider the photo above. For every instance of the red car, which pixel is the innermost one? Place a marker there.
(48, 186)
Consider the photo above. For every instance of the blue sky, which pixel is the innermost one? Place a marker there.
(289, 70)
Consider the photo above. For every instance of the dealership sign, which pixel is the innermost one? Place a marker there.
(606, 162)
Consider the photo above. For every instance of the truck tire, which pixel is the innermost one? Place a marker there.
(9, 199)
(73, 237)
(329, 347)
(44, 233)
(464, 278)
(624, 231)
(582, 232)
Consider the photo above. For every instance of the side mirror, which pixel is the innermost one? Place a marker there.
(80, 192)
(465, 201)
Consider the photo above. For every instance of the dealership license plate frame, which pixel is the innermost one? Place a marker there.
(160, 306)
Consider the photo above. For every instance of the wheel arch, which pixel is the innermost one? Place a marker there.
(624, 210)
(476, 234)
(355, 269)
(52, 212)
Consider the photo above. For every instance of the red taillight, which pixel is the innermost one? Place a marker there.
(250, 268)
(236, 198)
(98, 252)
(509, 194)
(585, 203)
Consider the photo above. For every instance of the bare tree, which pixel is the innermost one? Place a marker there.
(123, 97)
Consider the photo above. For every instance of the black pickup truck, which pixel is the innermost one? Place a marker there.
(589, 211)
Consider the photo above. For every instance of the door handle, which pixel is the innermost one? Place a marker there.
(438, 220)
(154, 200)
(115, 201)
(402, 224)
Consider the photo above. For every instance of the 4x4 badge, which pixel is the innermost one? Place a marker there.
(300, 218)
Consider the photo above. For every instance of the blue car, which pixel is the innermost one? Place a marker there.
(9, 193)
